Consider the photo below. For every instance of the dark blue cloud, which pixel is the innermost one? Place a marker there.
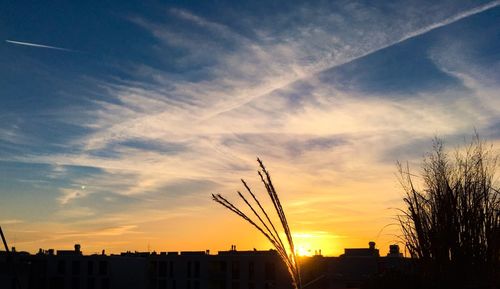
(492, 131)
(34, 187)
(407, 68)
(156, 146)
(110, 200)
(115, 150)
(284, 145)
(473, 46)
(403, 69)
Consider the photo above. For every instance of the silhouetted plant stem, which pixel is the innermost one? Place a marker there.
(264, 224)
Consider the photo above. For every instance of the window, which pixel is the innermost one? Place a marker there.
(103, 267)
(75, 283)
(61, 267)
(90, 283)
(223, 266)
(75, 267)
(251, 270)
(154, 267)
(235, 270)
(90, 268)
(197, 269)
(55, 283)
(105, 283)
(270, 271)
(171, 267)
(162, 269)
(189, 269)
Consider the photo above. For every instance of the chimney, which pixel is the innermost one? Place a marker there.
(394, 251)
(371, 245)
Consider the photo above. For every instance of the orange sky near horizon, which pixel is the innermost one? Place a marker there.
(118, 120)
(327, 218)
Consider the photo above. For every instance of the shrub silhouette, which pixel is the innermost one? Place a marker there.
(452, 223)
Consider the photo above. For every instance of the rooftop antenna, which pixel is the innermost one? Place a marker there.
(10, 259)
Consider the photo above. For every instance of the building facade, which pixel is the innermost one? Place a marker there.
(189, 270)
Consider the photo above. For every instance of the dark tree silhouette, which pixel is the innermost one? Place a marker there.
(452, 223)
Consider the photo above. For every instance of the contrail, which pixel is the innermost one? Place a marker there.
(410, 35)
(445, 22)
(39, 45)
(419, 32)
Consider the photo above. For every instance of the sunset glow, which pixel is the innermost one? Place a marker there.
(119, 120)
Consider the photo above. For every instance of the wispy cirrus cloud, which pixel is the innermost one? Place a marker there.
(201, 115)
(11, 221)
(171, 132)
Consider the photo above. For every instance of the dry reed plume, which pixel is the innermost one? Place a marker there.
(264, 224)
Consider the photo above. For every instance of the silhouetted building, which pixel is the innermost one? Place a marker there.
(228, 269)
(394, 251)
(190, 269)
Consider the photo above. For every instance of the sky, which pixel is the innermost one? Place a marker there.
(119, 119)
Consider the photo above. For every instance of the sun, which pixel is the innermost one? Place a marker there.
(302, 251)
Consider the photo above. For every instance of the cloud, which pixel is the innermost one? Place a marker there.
(110, 231)
(326, 64)
(449, 20)
(315, 235)
(74, 212)
(11, 221)
(215, 28)
(168, 134)
(204, 127)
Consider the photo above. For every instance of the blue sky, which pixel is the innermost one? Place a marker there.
(153, 106)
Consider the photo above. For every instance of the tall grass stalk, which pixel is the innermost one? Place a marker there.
(261, 220)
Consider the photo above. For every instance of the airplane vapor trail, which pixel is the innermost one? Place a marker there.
(38, 45)
(448, 21)
(419, 32)
(413, 34)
